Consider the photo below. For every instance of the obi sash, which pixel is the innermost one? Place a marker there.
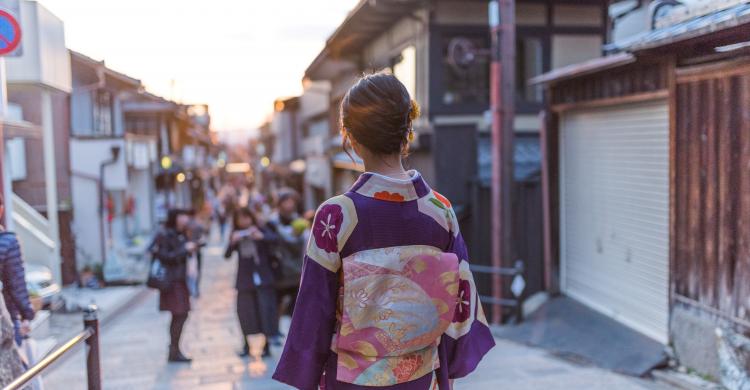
(395, 304)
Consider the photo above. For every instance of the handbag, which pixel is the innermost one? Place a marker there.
(192, 275)
(157, 275)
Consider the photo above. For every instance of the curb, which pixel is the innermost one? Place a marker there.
(683, 381)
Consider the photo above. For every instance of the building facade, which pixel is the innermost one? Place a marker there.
(646, 174)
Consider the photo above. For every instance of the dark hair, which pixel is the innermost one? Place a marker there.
(243, 212)
(378, 112)
(172, 215)
(286, 195)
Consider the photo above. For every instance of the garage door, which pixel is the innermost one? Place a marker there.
(615, 212)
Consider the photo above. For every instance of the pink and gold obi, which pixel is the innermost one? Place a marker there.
(395, 303)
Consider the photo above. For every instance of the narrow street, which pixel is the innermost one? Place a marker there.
(134, 349)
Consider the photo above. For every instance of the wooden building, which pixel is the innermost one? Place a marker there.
(647, 183)
(440, 50)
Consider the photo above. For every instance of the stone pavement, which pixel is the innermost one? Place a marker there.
(134, 349)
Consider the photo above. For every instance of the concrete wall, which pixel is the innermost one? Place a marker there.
(87, 155)
(86, 225)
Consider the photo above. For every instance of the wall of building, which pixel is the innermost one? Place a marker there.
(31, 189)
(86, 159)
(711, 226)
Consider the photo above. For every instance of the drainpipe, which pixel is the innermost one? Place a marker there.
(115, 150)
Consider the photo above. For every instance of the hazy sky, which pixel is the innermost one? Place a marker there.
(235, 55)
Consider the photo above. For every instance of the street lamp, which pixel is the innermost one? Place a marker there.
(166, 162)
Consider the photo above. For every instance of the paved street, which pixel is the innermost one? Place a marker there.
(134, 349)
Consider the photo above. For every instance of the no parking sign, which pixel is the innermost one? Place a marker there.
(10, 28)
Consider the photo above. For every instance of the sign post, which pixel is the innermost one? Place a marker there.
(10, 45)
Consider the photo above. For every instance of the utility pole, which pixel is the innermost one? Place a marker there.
(502, 95)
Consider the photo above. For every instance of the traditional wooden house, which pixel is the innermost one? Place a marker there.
(440, 50)
(647, 183)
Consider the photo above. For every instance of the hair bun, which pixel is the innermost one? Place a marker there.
(414, 110)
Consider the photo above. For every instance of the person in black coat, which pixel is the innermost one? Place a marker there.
(256, 294)
(172, 247)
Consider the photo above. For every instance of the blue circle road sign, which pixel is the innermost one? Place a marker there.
(10, 33)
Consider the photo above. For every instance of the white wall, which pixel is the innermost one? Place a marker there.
(314, 100)
(86, 221)
(282, 126)
(45, 58)
(572, 49)
(87, 155)
(140, 189)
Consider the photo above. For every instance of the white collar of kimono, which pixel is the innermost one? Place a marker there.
(375, 185)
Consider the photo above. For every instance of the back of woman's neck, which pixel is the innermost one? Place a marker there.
(393, 169)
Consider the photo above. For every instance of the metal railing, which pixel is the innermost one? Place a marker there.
(89, 335)
(511, 272)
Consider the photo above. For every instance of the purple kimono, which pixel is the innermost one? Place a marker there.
(386, 298)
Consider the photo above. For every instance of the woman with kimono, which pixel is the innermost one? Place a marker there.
(386, 298)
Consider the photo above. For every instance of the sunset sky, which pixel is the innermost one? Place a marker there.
(235, 55)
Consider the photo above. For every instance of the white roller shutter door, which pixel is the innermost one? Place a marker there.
(614, 202)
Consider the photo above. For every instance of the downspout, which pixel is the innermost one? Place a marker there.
(115, 150)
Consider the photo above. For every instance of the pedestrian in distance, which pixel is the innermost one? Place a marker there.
(172, 248)
(13, 279)
(197, 232)
(289, 250)
(387, 298)
(256, 294)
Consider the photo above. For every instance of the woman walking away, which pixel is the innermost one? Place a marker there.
(256, 295)
(387, 298)
(172, 248)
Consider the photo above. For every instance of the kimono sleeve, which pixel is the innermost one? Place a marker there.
(308, 344)
(468, 338)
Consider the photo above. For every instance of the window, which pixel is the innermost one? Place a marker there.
(405, 69)
(530, 52)
(465, 75)
(103, 113)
